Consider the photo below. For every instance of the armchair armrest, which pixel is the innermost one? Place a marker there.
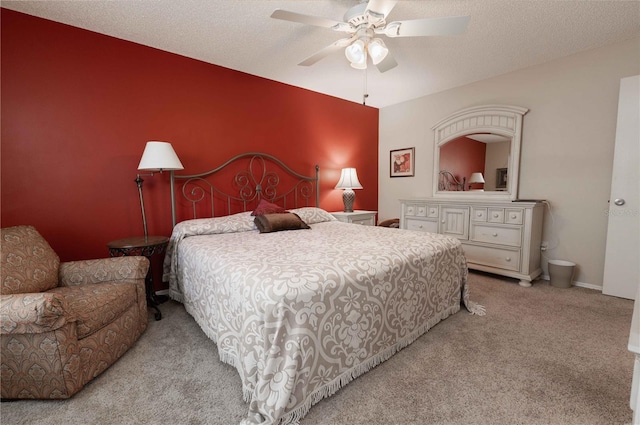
(32, 313)
(117, 269)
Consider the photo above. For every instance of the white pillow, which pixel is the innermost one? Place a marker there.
(313, 215)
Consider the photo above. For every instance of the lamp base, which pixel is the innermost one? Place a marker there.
(348, 196)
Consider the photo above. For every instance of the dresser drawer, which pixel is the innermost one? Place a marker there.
(422, 225)
(479, 214)
(495, 215)
(412, 210)
(495, 257)
(365, 221)
(513, 216)
(496, 234)
(421, 210)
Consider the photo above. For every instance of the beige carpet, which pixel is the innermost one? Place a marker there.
(541, 355)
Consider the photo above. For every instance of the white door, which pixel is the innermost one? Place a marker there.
(622, 258)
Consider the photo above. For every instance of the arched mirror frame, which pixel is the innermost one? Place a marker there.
(505, 120)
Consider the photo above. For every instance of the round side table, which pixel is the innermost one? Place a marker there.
(146, 247)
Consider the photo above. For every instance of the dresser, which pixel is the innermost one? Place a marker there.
(501, 237)
(367, 218)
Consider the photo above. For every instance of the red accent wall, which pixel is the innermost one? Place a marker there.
(463, 165)
(78, 108)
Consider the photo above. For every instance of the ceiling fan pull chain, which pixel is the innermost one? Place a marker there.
(365, 95)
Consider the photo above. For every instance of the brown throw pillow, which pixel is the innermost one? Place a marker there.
(265, 207)
(275, 222)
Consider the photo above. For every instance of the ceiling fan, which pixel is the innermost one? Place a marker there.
(363, 23)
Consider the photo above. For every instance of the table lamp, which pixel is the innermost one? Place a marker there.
(348, 181)
(476, 178)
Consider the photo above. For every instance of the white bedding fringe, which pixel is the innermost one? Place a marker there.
(475, 308)
(293, 417)
(176, 296)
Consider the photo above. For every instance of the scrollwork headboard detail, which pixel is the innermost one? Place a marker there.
(447, 181)
(257, 179)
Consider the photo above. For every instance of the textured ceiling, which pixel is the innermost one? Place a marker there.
(502, 36)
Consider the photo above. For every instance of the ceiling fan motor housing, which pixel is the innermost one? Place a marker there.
(359, 15)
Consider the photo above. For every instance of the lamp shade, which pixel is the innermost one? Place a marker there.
(349, 179)
(476, 178)
(357, 54)
(159, 156)
(377, 50)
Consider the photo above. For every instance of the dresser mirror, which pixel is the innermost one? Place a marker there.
(477, 153)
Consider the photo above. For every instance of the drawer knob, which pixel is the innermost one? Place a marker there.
(494, 235)
(479, 214)
(496, 215)
(508, 258)
(513, 216)
(443, 221)
(420, 227)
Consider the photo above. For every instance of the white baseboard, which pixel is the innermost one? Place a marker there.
(576, 283)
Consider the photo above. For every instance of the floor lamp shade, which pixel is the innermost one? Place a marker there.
(158, 156)
(348, 181)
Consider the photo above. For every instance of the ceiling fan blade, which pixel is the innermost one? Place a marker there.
(450, 25)
(382, 7)
(387, 63)
(311, 20)
(331, 48)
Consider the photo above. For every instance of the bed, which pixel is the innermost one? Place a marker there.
(302, 312)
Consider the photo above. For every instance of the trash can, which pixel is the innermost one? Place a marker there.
(561, 273)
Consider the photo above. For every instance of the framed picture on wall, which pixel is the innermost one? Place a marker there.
(501, 178)
(402, 162)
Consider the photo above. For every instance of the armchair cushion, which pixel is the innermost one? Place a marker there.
(28, 262)
(96, 306)
(32, 313)
(116, 269)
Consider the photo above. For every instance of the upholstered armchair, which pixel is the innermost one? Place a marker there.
(62, 324)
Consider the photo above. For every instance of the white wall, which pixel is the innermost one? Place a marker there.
(567, 144)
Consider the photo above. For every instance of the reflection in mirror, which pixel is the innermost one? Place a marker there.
(483, 153)
(480, 148)
(447, 181)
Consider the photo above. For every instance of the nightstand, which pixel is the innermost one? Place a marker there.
(366, 218)
(144, 246)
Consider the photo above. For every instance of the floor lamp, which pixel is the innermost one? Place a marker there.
(157, 156)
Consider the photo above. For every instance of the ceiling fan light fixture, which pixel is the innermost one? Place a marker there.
(360, 65)
(377, 50)
(356, 54)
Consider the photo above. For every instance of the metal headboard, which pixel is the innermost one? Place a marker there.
(447, 181)
(256, 181)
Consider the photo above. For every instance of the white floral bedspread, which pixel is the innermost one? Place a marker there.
(302, 313)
